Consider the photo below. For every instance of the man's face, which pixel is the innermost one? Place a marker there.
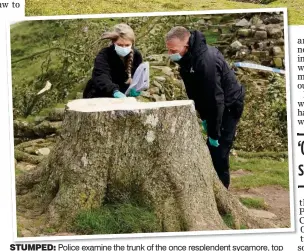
(176, 45)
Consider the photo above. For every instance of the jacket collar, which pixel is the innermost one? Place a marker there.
(197, 45)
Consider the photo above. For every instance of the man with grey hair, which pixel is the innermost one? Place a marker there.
(212, 85)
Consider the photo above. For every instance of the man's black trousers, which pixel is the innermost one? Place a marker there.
(220, 154)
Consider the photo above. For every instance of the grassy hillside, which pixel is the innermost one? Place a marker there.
(64, 7)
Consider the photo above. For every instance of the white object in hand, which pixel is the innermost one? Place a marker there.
(140, 79)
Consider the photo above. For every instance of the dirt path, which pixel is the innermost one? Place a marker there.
(277, 199)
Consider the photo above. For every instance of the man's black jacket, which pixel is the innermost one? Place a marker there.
(209, 82)
(109, 73)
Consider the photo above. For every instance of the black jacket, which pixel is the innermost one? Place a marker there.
(109, 73)
(209, 82)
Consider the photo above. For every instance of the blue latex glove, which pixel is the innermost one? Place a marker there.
(213, 142)
(204, 124)
(134, 93)
(118, 94)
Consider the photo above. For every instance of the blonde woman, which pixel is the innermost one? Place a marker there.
(115, 65)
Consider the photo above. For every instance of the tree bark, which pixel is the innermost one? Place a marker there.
(119, 150)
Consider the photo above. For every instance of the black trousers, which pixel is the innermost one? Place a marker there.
(220, 154)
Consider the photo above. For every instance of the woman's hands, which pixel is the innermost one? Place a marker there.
(118, 94)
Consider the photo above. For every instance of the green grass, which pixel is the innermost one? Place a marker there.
(46, 111)
(262, 172)
(50, 230)
(116, 219)
(18, 171)
(28, 38)
(61, 7)
(228, 219)
(263, 155)
(256, 203)
(211, 37)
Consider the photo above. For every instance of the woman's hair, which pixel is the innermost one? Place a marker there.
(123, 31)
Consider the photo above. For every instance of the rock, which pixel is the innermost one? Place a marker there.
(260, 35)
(236, 45)
(244, 32)
(262, 82)
(163, 97)
(274, 19)
(255, 20)
(226, 36)
(278, 62)
(261, 27)
(242, 53)
(156, 97)
(253, 28)
(159, 58)
(243, 23)
(180, 83)
(267, 62)
(277, 51)
(262, 214)
(201, 22)
(142, 99)
(280, 41)
(154, 90)
(253, 58)
(156, 84)
(165, 69)
(233, 153)
(262, 46)
(25, 167)
(43, 151)
(207, 17)
(274, 31)
(262, 54)
(271, 26)
(146, 94)
(160, 79)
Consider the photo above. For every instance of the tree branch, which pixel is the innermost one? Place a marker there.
(44, 51)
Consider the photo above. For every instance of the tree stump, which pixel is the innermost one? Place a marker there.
(120, 149)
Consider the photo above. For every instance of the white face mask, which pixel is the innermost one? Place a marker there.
(175, 57)
(122, 51)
